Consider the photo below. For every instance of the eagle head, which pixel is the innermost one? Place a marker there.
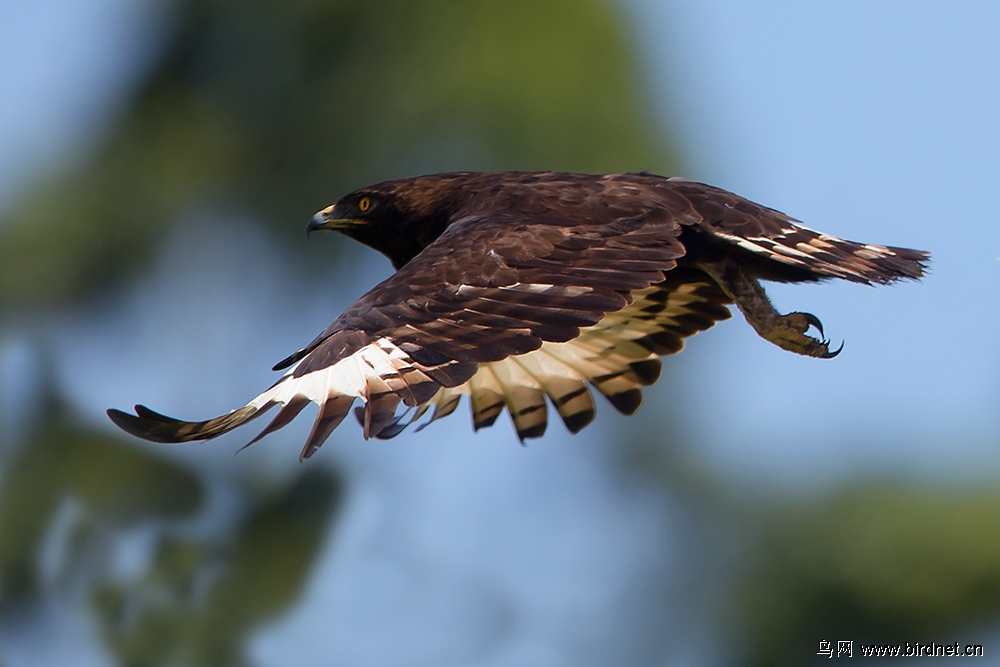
(398, 218)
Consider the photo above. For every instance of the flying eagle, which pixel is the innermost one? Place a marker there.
(513, 287)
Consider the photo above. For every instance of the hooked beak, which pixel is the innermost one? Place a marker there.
(325, 220)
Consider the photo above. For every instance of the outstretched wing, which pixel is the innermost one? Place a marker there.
(503, 307)
(616, 356)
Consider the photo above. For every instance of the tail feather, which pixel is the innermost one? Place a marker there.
(825, 256)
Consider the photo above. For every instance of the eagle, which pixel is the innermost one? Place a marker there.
(518, 288)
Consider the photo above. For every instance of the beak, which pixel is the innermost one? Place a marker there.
(325, 220)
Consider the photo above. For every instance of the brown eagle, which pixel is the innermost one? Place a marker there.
(513, 287)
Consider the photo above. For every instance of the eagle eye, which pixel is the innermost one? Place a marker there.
(364, 204)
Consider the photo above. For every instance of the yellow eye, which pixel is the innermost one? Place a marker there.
(364, 204)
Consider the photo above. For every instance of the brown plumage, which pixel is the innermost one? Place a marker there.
(518, 288)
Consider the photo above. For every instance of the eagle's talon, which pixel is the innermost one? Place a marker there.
(789, 333)
(831, 355)
(814, 321)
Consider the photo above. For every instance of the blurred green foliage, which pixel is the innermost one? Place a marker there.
(878, 563)
(275, 109)
(116, 486)
(198, 602)
(199, 596)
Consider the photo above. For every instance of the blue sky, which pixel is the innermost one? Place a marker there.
(65, 66)
(872, 121)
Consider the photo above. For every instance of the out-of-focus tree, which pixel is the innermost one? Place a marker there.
(876, 564)
(277, 108)
(122, 486)
(178, 613)
(880, 562)
(200, 595)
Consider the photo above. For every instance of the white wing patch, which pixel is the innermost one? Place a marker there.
(381, 374)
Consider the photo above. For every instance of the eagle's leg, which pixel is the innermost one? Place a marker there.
(786, 331)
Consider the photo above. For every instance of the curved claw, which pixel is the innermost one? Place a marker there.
(813, 320)
(831, 355)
